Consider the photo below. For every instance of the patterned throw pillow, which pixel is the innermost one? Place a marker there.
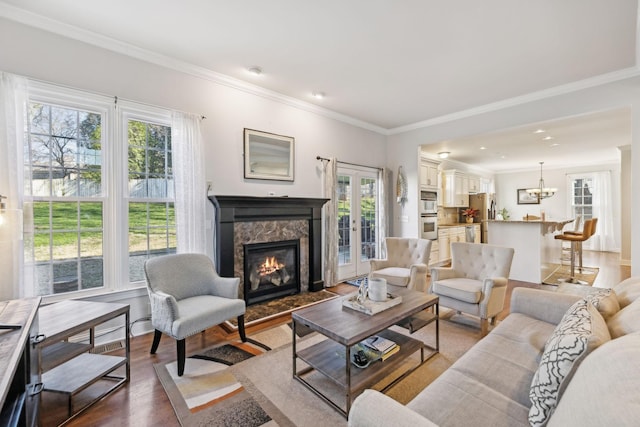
(581, 330)
(606, 301)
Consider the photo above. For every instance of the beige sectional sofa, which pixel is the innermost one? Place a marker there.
(581, 353)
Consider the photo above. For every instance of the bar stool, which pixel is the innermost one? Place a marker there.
(576, 240)
(594, 223)
(566, 245)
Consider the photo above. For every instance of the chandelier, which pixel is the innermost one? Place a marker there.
(541, 191)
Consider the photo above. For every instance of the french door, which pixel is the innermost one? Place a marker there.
(358, 200)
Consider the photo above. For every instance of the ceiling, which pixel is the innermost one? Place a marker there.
(382, 64)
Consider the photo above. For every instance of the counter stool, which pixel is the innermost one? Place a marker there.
(566, 245)
(579, 244)
(576, 240)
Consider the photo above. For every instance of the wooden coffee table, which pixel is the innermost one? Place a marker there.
(346, 327)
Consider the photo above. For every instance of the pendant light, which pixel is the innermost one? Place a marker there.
(541, 191)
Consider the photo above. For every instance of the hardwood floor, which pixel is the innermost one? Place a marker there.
(143, 401)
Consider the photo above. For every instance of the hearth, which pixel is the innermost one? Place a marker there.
(271, 270)
(246, 220)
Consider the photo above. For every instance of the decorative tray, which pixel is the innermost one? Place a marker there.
(371, 307)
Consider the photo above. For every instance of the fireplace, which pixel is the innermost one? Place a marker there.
(271, 270)
(244, 221)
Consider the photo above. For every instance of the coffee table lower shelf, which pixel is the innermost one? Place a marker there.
(331, 359)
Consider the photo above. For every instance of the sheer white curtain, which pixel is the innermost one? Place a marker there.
(602, 208)
(190, 182)
(382, 211)
(13, 98)
(604, 239)
(330, 173)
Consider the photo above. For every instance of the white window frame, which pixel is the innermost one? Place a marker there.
(115, 193)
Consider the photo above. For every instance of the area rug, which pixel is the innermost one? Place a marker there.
(560, 272)
(209, 394)
(266, 310)
(269, 376)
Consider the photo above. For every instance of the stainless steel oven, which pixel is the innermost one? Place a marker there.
(429, 226)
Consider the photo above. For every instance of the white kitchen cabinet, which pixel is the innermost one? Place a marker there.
(474, 184)
(428, 175)
(477, 235)
(444, 250)
(455, 189)
(457, 234)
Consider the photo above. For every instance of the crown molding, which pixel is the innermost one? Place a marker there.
(47, 24)
(524, 99)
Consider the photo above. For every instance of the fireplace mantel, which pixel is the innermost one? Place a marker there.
(234, 209)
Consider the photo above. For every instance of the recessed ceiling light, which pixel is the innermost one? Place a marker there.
(318, 95)
(547, 138)
(483, 148)
(256, 71)
(539, 131)
(555, 144)
(443, 154)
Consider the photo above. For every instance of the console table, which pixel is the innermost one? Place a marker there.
(69, 368)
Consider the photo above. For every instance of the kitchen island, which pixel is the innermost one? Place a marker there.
(536, 250)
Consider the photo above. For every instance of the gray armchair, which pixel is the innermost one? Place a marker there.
(406, 263)
(476, 282)
(188, 296)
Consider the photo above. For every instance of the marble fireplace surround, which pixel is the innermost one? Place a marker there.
(244, 220)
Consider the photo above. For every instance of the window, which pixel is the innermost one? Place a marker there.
(151, 210)
(582, 197)
(103, 201)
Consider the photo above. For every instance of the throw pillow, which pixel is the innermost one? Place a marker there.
(606, 301)
(581, 330)
(626, 321)
(628, 291)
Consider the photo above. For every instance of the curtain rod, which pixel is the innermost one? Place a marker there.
(115, 97)
(347, 163)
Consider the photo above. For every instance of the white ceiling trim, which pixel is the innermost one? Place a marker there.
(57, 27)
(519, 100)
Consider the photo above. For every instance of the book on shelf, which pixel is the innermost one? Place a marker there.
(390, 353)
(363, 353)
(379, 343)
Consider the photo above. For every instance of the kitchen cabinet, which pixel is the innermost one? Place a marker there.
(428, 175)
(474, 184)
(434, 255)
(451, 234)
(455, 189)
(444, 250)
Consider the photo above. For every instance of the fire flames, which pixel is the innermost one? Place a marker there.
(269, 266)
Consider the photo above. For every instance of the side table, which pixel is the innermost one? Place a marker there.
(68, 367)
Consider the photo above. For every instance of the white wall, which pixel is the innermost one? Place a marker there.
(401, 146)
(51, 58)
(556, 207)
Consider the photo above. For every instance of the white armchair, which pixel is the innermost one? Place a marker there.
(188, 296)
(406, 263)
(476, 282)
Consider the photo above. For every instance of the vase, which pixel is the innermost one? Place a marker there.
(469, 220)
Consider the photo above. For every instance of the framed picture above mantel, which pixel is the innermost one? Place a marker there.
(525, 198)
(268, 156)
